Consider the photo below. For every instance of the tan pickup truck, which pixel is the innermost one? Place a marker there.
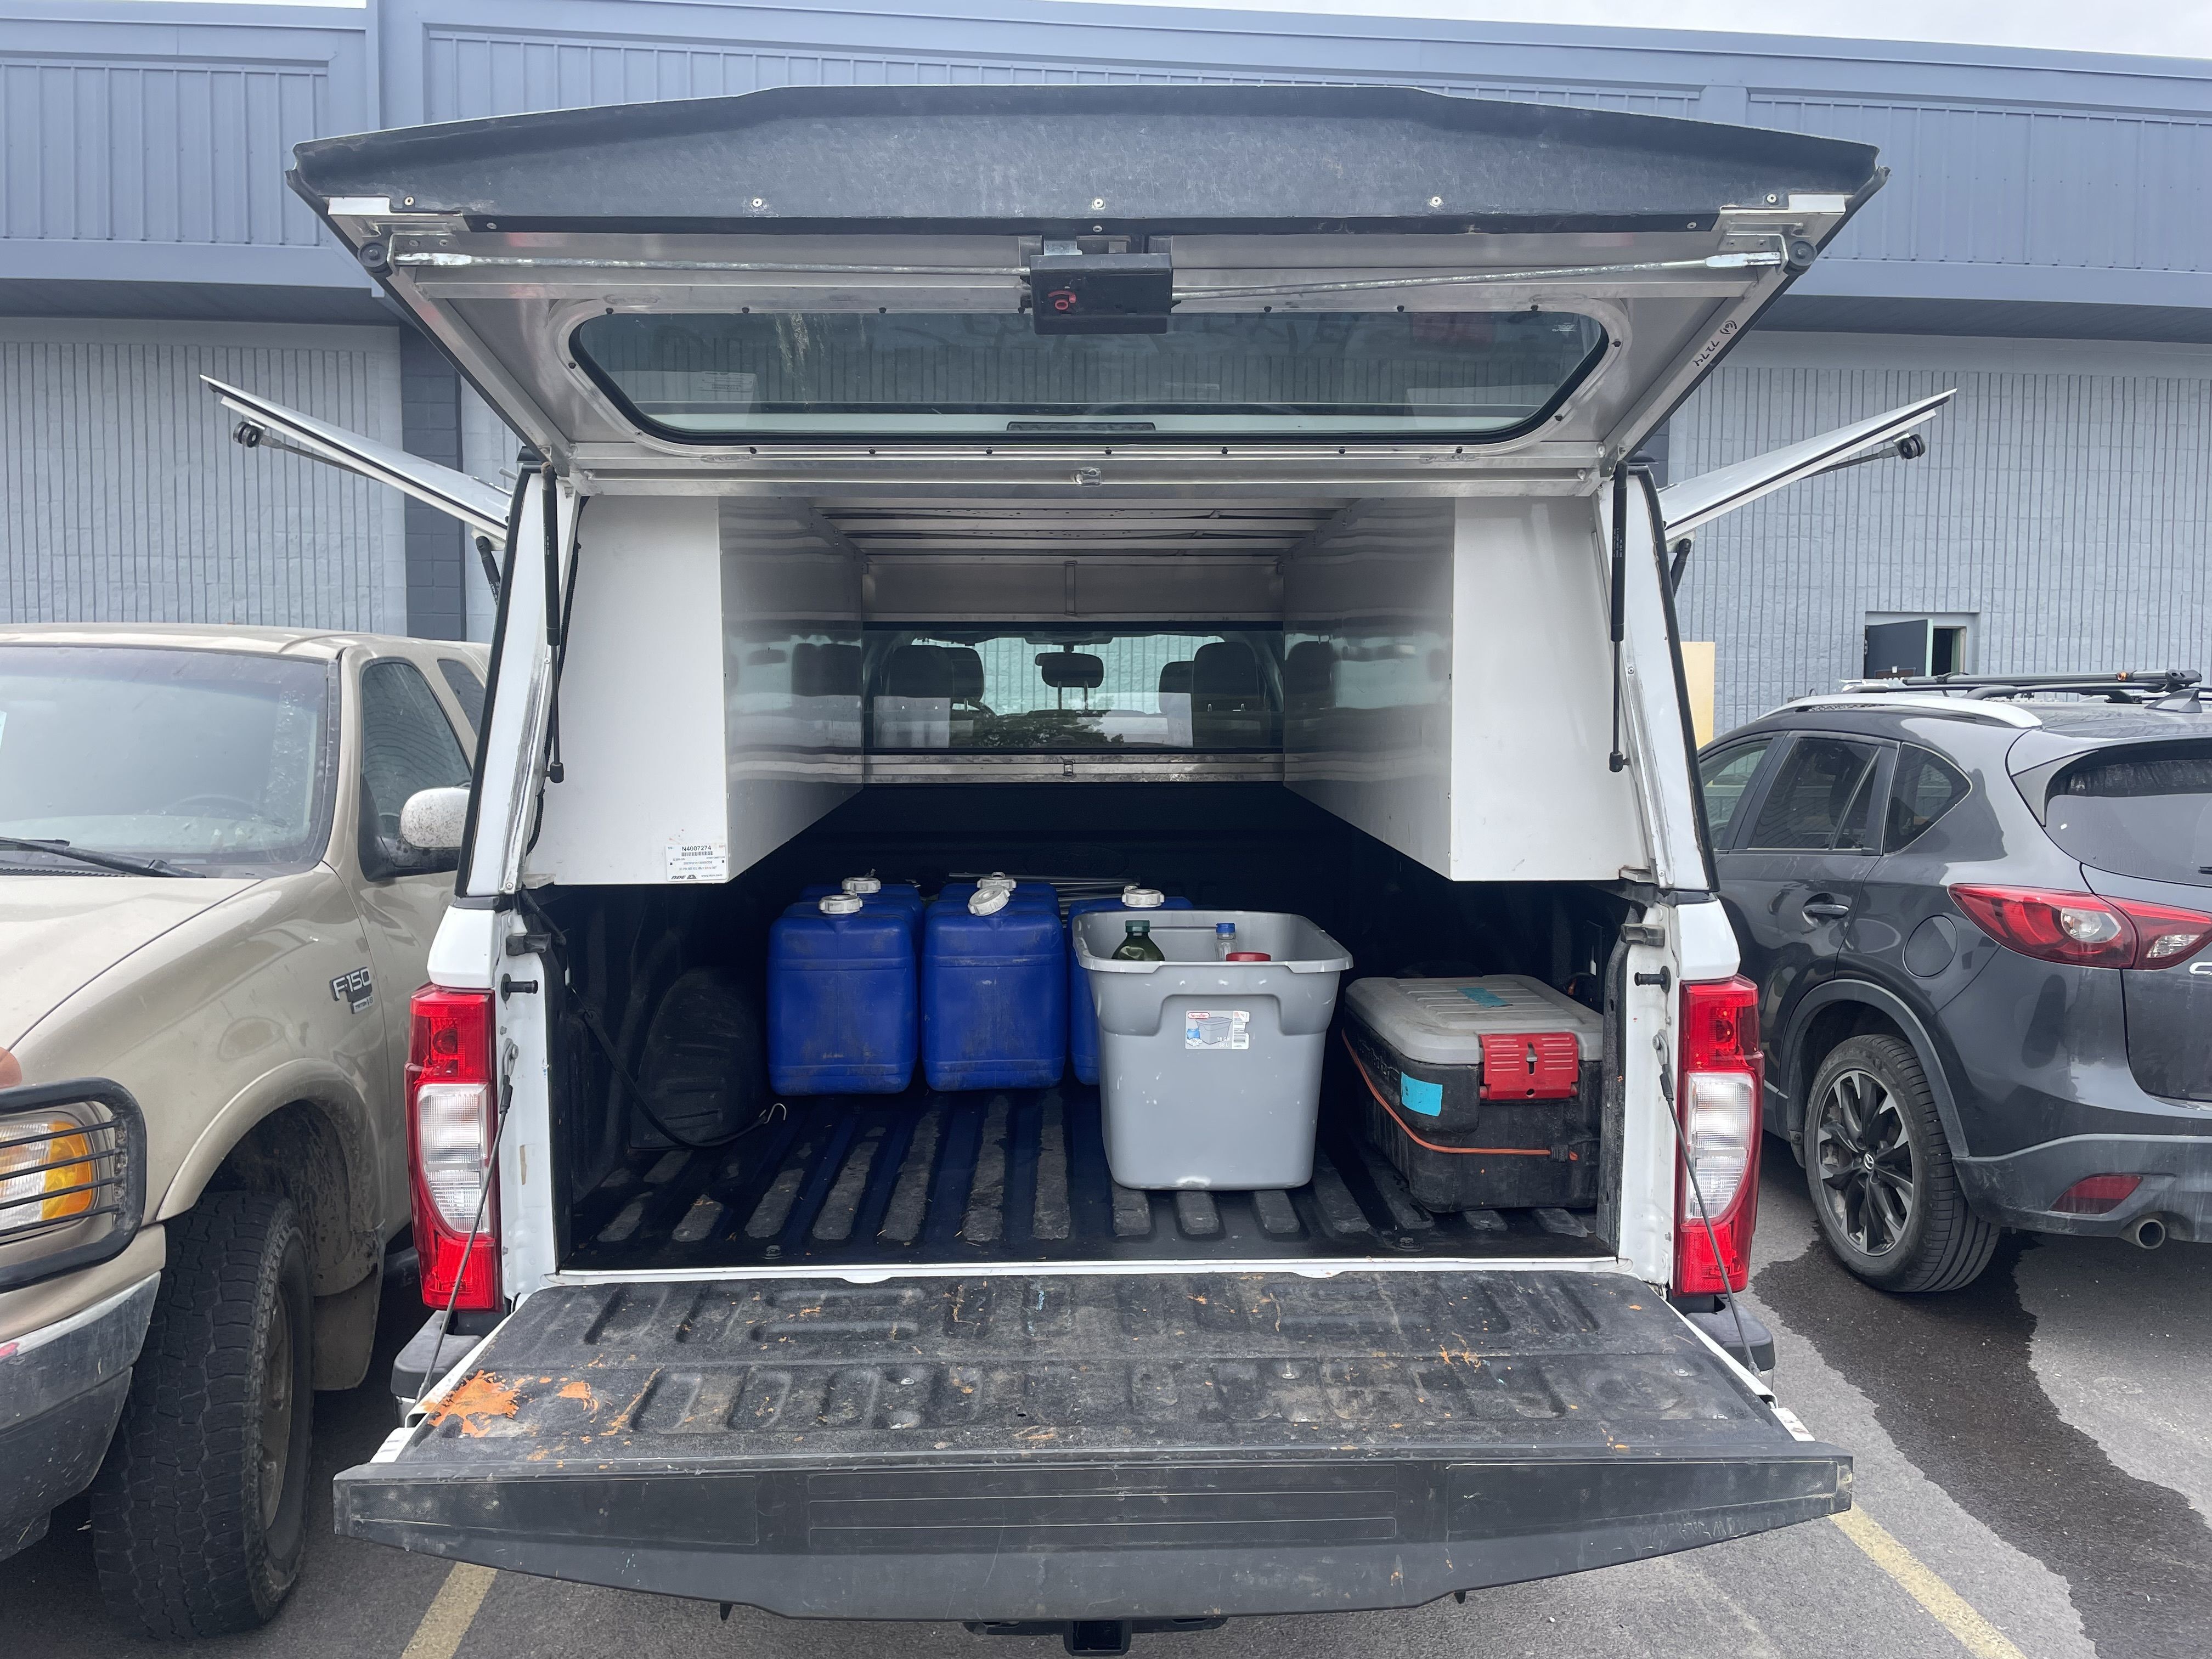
(210, 929)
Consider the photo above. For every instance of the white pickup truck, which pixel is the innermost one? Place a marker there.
(1306, 418)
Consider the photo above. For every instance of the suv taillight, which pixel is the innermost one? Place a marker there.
(2083, 929)
(1717, 1094)
(450, 1115)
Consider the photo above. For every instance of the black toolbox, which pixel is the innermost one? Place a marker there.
(1484, 1093)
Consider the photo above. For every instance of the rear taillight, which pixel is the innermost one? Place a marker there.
(1717, 1094)
(450, 1122)
(2083, 929)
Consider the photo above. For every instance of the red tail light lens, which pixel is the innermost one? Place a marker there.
(2097, 1194)
(1718, 1097)
(450, 1120)
(2165, 935)
(2083, 930)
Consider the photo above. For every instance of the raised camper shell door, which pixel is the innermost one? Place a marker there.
(481, 507)
(1092, 1445)
(1695, 502)
(835, 227)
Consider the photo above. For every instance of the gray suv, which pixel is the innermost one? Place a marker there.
(1976, 911)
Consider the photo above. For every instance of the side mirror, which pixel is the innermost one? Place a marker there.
(425, 839)
(433, 822)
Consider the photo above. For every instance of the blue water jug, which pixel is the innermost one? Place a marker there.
(1082, 1018)
(994, 996)
(841, 998)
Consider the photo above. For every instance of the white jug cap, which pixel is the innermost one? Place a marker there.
(1003, 884)
(1142, 899)
(989, 900)
(863, 885)
(840, 904)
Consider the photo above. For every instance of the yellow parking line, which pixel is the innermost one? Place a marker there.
(1945, 1605)
(451, 1611)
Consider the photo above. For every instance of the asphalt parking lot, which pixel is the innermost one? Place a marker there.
(2034, 1478)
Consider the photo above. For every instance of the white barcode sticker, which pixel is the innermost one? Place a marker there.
(700, 860)
(1216, 1027)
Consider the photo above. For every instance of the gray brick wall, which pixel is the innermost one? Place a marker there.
(430, 426)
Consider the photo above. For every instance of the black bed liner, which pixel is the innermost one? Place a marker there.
(1007, 1176)
(1105, 1444)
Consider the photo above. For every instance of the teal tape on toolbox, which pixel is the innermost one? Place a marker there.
(1415, 1096)
(1481, 998)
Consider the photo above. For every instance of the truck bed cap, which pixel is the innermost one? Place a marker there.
(969, 159)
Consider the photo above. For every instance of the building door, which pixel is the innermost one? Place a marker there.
(1910, 646)
(1896, 648)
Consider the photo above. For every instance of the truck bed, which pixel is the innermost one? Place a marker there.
(1016, 1176)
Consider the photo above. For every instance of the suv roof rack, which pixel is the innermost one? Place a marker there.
(2128, 685)
(1926, 701)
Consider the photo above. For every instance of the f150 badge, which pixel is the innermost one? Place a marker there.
(356, 990)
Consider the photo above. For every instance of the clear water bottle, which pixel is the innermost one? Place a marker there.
(1225, 939)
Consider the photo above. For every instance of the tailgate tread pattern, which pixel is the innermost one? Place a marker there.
(815, 1371)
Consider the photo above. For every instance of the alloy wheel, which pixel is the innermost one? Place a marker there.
(277, 1405)
(1869, 1176)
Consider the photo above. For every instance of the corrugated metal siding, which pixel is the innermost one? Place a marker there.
(127, 130)
(123, 499)
(1985, 184)
(487, 72)
(2068, 508)
(150, 152)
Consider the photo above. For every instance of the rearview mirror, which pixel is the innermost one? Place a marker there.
(1072, 671)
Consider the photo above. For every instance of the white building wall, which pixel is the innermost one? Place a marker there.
(2063, 508)
(122, 498)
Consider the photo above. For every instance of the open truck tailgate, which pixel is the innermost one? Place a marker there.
(1090, 1446)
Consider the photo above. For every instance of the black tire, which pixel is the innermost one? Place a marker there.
(1878, 1170)
(199, 1517)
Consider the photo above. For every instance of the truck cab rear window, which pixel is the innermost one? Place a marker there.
(1460, 375)
(1063, 688)
(2143, 811)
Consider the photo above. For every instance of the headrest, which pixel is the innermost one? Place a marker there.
(1225, 668)
(1174, 677)
(916, 670)
(1308, 667)
(965, 663)
(825, 670)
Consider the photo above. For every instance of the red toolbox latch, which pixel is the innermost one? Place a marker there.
(1530, 1065)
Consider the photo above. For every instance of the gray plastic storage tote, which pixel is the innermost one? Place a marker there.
(1209, 1071)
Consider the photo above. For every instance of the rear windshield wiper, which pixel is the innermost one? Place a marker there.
(122, 861)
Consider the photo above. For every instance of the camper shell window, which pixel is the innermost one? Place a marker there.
(1465, 376)
(1033, 688)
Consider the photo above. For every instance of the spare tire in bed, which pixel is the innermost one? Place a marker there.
(704, 1072)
